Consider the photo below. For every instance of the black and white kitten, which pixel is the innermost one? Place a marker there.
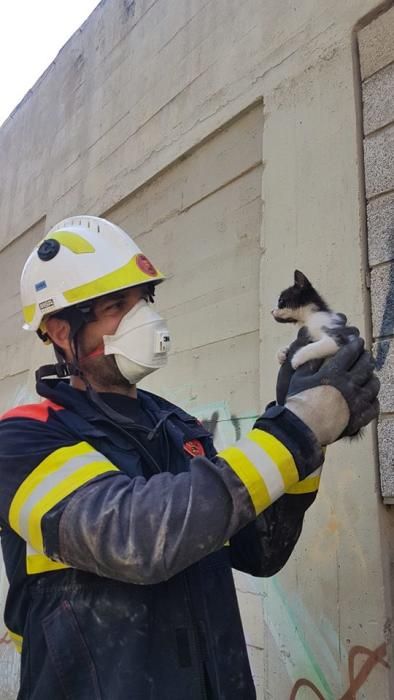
(302, 305)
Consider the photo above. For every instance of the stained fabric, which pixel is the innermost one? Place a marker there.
(178, 638)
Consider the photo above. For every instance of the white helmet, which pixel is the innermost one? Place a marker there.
(81, 258)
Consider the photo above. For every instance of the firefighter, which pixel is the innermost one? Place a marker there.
(120, 522)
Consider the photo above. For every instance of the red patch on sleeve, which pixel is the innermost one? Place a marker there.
(194, 448)
(37, 411)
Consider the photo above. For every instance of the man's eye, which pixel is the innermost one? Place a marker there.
(114, 305)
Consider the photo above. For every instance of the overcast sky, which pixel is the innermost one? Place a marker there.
(31, 34)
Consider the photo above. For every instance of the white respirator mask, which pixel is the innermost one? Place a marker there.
(140, 344)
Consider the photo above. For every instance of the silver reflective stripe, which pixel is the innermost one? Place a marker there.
(266, 466)
(50, 481)
(30, 550)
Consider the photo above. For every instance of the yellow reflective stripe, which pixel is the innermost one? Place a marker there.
(17, 639)
(49, 465)
(279, 454)
(249, 475)
(28, 312)
(38, 563)
(126, 276)
(308, 485)
(67, 486)
(77, 244)
(61, 473)
(265, 466)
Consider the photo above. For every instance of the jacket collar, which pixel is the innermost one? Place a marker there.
(81, 415)
(59, 391)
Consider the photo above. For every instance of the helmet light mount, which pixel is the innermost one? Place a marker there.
(48, 249)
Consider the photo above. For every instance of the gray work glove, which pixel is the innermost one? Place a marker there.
(343, 334)
(336, 397)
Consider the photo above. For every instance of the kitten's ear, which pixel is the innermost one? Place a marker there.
(300, 280)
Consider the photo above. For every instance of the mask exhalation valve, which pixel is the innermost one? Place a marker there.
(162, 343)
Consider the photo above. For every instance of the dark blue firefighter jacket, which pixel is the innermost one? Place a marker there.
(86, 636)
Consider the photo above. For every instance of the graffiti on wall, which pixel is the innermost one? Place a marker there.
(225, 426)
(212, 423)
(5, 639)
(356, 680)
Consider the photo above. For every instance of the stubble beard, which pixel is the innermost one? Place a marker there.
(104, 375)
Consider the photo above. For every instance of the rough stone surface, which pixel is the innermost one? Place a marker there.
(382, 296)
(160, 120)
(386, 455)
(379, 158)
(384, 354)
(376, 44)
(380, 214)
(378, 99)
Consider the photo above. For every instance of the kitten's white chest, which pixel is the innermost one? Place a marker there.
(317, 321)
(323, 345)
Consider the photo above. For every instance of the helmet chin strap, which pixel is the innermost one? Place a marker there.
(61, 369)
(76, 317)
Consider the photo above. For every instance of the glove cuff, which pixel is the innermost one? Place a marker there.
(292, 432)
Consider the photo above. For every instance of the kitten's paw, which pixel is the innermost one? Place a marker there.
(298, 359)
(282, 355)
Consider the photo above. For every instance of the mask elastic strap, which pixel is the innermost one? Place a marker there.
(98, 352)
(118, 420)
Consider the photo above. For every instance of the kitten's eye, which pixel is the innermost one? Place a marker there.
(281, 304)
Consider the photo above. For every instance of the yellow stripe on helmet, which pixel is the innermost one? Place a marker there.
(128, 275)
(28, 312)
(77, 244)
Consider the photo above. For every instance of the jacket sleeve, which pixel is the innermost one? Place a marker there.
(263, 547)
(77, 508)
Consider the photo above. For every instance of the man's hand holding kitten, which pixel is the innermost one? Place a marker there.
(335, 397)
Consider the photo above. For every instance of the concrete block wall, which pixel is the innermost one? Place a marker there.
(376, 48)
(224, 135)
(202, 217)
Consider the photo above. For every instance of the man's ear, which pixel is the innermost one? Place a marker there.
(58, 329)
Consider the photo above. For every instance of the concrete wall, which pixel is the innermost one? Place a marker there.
(227, 138)
(377, 71)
